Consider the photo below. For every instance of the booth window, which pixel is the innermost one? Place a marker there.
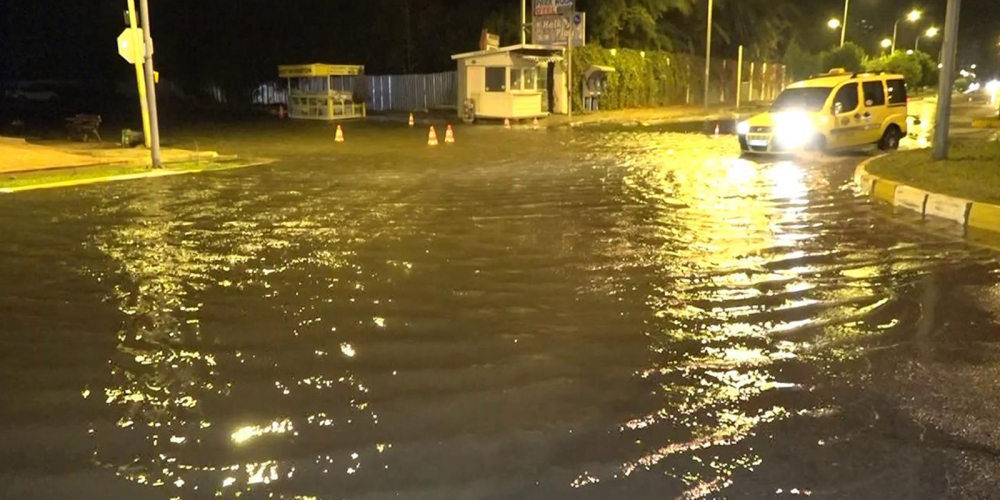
(515, 79)
(530, 78)
(496, 79)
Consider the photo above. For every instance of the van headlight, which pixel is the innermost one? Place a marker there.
(743, 128)
(793, 130)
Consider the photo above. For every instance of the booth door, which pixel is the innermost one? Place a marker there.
(549, 99)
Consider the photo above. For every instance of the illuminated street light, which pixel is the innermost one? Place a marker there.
(833, 23)
(930, 33)
(912, 17)
(909, 52)
(886, 43)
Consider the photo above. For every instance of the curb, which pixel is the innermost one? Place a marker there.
(970, 214)
(129, 177)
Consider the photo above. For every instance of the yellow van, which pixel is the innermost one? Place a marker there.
(836, 110)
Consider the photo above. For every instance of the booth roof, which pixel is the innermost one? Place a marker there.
(545, 51)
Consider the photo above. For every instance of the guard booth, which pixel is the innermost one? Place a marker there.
(324, 91)
(516, 82)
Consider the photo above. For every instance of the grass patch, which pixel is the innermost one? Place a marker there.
(98, 172)
(972, 172)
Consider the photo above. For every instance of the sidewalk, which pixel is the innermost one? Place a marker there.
(17, 155)
(657, 116)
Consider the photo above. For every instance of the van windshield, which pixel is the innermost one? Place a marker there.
(803, 99)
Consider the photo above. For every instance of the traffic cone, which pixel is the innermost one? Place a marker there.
(340, 135)
(449, 135)
(534, 124)
(411, 119)
(716, 130)
(506, 123)
(432, 137)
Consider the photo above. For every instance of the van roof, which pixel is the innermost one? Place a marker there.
(835, 77)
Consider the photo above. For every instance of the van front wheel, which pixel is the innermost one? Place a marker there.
(890, 139)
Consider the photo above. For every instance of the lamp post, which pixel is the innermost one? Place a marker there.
(843, 27)
(930, 33)
(949, 55)
(912, 17)
(708, 51)
(886, 43)
(154, 124)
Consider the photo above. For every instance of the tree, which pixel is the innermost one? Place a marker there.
(633, 23)
(800, 63)
(901, 63)
(850, 57)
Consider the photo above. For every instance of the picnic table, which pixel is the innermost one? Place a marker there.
(82, 127)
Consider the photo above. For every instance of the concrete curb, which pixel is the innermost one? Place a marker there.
(129, 177)
(970, 214)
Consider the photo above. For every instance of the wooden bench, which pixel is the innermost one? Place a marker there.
(81, 127)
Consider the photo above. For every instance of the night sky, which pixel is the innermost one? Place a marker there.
(239, 42)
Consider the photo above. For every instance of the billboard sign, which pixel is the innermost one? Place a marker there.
(554, 7)
(555, 30)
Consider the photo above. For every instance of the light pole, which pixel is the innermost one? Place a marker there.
(524, 22)
(843, 27)
(886, 43)
(912, 17)
(708, 51)
(154, 125)
(949, 53)
(930, 33)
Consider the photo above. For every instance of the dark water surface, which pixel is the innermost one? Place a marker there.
(545, 315)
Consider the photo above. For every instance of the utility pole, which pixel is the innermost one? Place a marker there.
(140, 77)
(708, 51)
(524, 22)
(569, 72)
(843, 28)
(949, 54)
(739, 78)
(154, 125)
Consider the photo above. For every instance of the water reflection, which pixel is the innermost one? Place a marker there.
(204, 408)
(750, 282)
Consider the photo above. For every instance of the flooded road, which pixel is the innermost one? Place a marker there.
(565, 314)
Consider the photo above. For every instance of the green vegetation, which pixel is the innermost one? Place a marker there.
(973, 172)
(851, 57)
(919, 68)
(97, 173)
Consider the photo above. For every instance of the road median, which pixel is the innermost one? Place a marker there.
(964, 189)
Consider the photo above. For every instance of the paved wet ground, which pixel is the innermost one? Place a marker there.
(580, 314)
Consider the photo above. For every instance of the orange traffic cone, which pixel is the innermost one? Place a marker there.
(432, 137)
(449, 135)
(717, 130)
(506, 123)
(534, 124)
(340, 135)
(411, 119)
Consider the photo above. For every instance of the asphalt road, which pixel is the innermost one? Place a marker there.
(570, 314)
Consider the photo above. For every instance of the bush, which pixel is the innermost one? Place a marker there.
(850, 57)
(800, 63)
(902, 63)
(930, 67)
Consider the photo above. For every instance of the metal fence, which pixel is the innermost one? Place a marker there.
(411, 92)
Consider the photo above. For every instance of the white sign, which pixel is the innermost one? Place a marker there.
(554, 7)
(555, 30)
(128, 48)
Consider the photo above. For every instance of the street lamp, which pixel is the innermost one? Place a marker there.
(930, 33)
(886, 43)
(833, 23)
(912, 17)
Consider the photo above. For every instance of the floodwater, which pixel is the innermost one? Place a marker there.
(565, 314)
